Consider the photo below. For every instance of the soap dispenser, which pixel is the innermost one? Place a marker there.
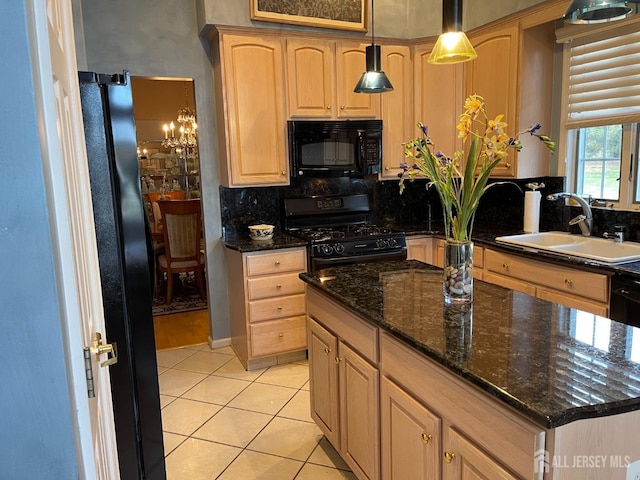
(532, 208)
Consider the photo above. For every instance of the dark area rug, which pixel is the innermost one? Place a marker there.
(185, 297)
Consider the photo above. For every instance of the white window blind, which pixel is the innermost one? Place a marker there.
(603, 81)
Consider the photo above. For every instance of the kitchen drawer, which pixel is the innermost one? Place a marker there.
(276, 262)
(278, 336)
(568, 280)
(601, 309)
(275, 285)
(278, 307)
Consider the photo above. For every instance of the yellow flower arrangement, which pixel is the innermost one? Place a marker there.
(460, 187)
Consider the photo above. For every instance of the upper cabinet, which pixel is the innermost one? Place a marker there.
(397, 107)
(514, 74)
(438, 99)
(321, 76)
(249, 80)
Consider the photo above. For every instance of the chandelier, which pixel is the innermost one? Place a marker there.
(186, 142)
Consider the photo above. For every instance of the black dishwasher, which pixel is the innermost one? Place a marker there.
(625, 299)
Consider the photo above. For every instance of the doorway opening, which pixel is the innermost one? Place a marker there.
(169, 163)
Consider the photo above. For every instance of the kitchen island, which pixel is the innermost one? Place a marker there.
(516, 387)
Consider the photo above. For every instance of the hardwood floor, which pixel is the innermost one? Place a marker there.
(181, 329)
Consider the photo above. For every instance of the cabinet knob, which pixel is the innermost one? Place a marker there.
(277, 262)
(342, 107)
(327, 350)
(505, 266)
(338, 359)
(449, 457)
(426, 438)
(284, 172)
(387, 169)
(279, 285)
(279, 307)
(568, 282)
(328, 107)
(281, 335)
(507, 165)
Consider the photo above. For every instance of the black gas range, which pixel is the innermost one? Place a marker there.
(339, 231)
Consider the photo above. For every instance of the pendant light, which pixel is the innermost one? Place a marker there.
(373, 80)
(599, 11)
(452, 46)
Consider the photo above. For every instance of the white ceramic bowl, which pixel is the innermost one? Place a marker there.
(261, 232)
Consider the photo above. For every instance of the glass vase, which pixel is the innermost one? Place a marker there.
(458, 272)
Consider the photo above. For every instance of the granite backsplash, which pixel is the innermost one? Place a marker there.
(501, 208)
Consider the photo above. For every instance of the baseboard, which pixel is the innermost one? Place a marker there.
(222, 342)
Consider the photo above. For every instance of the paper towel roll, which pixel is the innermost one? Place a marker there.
(532, 211)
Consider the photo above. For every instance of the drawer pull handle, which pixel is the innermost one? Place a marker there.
(507, 165)
(327, 350)
(277, 262)
(568, 282)
(279, 285)
(279, 307)
(449, 457)
(426, 438)
(505, 266)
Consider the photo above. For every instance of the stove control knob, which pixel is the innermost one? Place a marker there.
(339, 248)
(381, 243)
(327, 249)
(393, 242)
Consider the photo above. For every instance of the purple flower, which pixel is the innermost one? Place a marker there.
(534, 128)
(404, 166)
(424, 128)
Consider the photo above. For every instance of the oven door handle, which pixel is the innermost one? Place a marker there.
(389, 255)
(628, 295)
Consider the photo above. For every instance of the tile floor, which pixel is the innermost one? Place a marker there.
(222, 422)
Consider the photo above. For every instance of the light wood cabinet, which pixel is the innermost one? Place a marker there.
(267, 305)
(410, 436)
(420, 248)
(438, 91)
(344, 384)
(397, 108)
(251, 110)
(575, 288)
(321, 76)
(514, 73)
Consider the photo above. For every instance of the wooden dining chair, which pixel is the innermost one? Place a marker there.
(182, 230)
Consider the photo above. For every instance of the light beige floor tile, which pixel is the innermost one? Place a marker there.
(199, 460)
(225, 350)
(232, 426)
(171, 441)
(162, 369)
(219, 390)
(318, 472)
(287, 438)
(169, 358)
(185, 416)
(262, 398)
(298, 408)
(306, 386)
(234, 369)
(326, 455)
(166, 400)
(260, 466)
(176, 382)
(288, 375)
(203, 362)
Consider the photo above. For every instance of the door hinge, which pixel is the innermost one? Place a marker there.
(88, 372)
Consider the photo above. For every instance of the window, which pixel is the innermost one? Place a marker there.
(601, 111)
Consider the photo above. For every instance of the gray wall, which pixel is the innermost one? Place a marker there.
(36, 436)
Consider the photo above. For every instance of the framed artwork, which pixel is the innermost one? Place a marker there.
(337, 14)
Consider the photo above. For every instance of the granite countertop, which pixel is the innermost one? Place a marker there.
(243, 243)
(541, 358)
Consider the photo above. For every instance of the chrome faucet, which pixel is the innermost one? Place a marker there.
(584, 221)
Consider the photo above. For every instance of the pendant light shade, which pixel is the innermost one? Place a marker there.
(599, 11)
(452, 46)
(373, 80)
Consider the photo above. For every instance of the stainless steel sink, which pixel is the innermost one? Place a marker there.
(593, 248)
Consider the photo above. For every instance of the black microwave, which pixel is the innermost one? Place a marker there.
(335, 148)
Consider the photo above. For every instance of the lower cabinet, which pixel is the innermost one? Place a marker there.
(344, 400)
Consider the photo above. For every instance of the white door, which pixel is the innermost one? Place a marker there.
(72, 228)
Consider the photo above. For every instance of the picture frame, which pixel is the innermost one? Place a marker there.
(336, 14)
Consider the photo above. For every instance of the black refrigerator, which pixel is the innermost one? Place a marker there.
(125, 255)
